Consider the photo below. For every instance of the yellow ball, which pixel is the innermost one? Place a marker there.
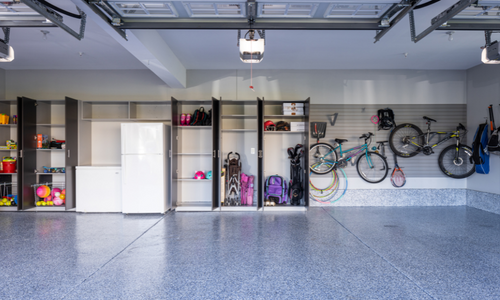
(50, 203)
(62, 196)
(44, 203)
(8, 203)
(38, 203)
(1, 203)
(5, 200)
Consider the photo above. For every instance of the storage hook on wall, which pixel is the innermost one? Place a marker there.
(333, 118)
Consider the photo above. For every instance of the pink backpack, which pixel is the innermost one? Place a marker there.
(246, 189)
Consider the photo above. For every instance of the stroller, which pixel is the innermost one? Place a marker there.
(233, 179)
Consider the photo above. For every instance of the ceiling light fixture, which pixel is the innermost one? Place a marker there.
(6, 51)
(450, 35)
(251, 49)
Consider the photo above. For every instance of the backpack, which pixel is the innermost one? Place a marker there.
(386, 119)
(275, 189)
(199, 117)
(282, 126)
(208, 120)
(493, 144)
(480, 154)
(246, 189)
(296, 187)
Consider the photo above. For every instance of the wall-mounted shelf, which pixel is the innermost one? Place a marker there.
(238, 117)
(284, 132)
(285, 116)
(193, 154)
(51, 125)
(126, 111)
(193, 180)
(239, 130)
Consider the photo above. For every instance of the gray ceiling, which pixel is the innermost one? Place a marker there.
(206, 49)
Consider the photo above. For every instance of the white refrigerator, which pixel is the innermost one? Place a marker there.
(145, 165)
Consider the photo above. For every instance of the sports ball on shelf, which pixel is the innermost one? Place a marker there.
(56, 190)
(39, 203)
(58, 201)
(57, 194)
(63, 192)
(49, 198)
(199, 175)
(209, 175)
(62, 196)
(43, 191)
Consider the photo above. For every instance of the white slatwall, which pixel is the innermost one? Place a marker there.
(354, 120)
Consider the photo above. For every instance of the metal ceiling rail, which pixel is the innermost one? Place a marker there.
(55, 18)
(470, 25)
(409, 6)
(442, 18)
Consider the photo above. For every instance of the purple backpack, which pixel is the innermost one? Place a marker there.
(275, 189)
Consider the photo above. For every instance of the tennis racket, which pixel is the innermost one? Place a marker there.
(398, 178)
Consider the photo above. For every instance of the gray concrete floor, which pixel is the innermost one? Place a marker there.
(325, 253)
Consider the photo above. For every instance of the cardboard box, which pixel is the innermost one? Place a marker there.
(293, 113)
(297, 126)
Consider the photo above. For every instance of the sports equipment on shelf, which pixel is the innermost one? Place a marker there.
(480, 154)
(247, 189)
(371, 166)
(199, 117)
(233, 177)
(296, 186)
(407, 140)
(199, 175)
(275, 190)
(269, 126)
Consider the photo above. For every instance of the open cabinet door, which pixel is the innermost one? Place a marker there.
(260, 157)
(216, 153)
(71, 151)
(26, 164)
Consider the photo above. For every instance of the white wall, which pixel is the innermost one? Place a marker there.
(483, 89)
(323, 86)
(2, 84)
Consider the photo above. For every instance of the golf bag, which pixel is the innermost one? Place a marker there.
(296, 187)
(233, 177)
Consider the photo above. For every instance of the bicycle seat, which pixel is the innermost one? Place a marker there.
(429, 119)
(340, 141)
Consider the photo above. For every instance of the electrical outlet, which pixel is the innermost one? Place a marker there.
(252, 150)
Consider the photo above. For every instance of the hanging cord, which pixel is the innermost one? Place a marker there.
(426, 4)
(60, 9)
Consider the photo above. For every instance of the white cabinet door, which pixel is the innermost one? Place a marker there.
(143, 184)
(98, 189)
(143, 138)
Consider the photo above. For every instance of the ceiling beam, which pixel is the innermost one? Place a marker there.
(470, 25)
(147, 46)
(237, 24)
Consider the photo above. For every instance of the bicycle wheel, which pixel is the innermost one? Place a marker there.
(402, 138)
(460, 167)
(373, 168)
(322, 158)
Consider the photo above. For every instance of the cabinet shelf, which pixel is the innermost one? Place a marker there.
(51, 125)
(192, 154)
(192, 180)
(285, 116)
(284, 132)
(238, 117)
(239, 130)
(193, 127)
(8, 125)
(56, 150)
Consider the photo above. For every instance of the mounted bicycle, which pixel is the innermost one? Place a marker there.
(407, 140)
(372, 167)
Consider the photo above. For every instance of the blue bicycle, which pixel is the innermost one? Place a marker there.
(371, 166)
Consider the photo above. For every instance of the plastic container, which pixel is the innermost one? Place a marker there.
(9, 166)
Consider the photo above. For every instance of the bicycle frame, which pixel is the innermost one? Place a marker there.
(361, 148)
(429, 135)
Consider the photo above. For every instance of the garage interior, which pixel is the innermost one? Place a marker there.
(434, 238)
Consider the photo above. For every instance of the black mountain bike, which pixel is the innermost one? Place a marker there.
(407, 140)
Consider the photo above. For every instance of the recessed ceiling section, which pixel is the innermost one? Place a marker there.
(357, 10)
(144, 9)
(287, 10)
(215, 10)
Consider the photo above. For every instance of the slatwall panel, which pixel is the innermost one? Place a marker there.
(354, 120)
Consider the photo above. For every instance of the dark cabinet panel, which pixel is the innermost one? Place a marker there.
(71, 152)
(26, 151)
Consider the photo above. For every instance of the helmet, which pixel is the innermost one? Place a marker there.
(199, 175)
(209, 175)
(269, 126)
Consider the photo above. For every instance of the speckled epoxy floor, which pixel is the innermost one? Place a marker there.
(325, 253)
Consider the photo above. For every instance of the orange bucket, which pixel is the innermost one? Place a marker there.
(9, 166)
